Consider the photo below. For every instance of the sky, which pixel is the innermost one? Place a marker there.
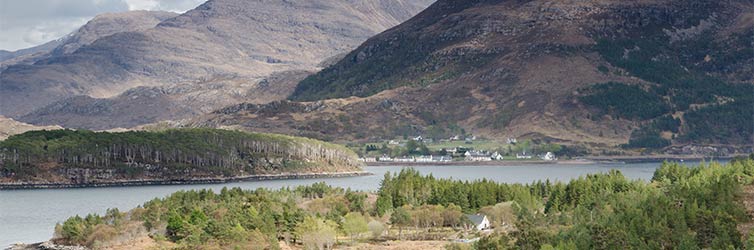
(27, 23)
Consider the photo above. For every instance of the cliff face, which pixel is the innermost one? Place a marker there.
(84, 157)
(221, 39)
(539, 69)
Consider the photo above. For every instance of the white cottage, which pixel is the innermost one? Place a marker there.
(479, 222)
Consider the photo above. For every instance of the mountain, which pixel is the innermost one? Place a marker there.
(602, 73)
(243, 40)
(100, 26)
(81, 157)
(145, 105)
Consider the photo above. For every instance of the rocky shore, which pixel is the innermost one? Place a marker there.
(47, 245)
(144, 182)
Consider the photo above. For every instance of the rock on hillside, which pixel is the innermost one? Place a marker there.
(219, 39)
(681, 72)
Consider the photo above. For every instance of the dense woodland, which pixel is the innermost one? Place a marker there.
(184, 152)
(715, 108)
(681, 208)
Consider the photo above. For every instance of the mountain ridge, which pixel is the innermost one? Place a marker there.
(505, 69)
(221, 38)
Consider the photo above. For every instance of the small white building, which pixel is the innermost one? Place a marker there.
(479, 221)
(477, 156)
(385, 158)
(497, 156)
(523, 156)
(549, 156)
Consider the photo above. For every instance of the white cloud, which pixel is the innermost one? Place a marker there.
(142, 4)
(27, 23)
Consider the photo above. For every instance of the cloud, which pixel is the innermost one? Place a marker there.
(165, 5)
(29, 23)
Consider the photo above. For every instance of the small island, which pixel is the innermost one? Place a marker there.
(81, 158)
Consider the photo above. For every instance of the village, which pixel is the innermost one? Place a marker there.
(455, 149)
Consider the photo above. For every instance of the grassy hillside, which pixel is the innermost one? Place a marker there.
(85, 156)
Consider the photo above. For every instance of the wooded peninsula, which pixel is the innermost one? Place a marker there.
(81, 158)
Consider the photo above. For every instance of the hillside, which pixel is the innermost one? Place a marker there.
(145, 105)
(84, 157)
(243, 40)
(100, 26)
(9, 127)
(601, 73)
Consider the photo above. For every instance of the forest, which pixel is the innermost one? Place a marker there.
(716, 108)
(681, 207)
(164, 154)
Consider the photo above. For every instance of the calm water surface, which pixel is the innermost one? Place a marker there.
(30, 215)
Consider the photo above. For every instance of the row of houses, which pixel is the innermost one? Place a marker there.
(422, 159)
(459, 152)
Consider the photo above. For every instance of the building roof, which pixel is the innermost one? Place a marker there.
(476, 218)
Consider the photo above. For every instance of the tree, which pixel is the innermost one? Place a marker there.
(384, 204)
(452, 215)
(354, 225)
(376, 228)
(401, 218)
(317, 233)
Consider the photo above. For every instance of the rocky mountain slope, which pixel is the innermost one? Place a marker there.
(642, 74)
(100, 26)
(221, 39)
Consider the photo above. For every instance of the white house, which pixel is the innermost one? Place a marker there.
(549, 156)
(479, 222)
(497, 156)
(523, 156)
(477, 156)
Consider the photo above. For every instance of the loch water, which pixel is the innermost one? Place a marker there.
(30, 215)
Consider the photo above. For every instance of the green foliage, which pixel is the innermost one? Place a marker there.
(731, 122)
(688, 208)
(685, 77)
(626, 101)
(647, 137)
(354, 224)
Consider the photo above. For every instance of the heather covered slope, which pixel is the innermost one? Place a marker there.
(543, 69)
(248, 40)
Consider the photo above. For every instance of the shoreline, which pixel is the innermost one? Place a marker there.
(197, 181)
(585, 160)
